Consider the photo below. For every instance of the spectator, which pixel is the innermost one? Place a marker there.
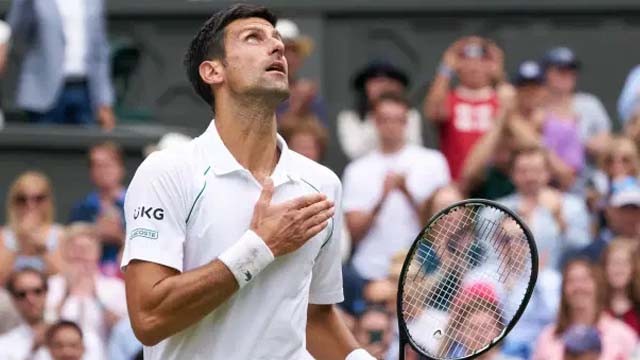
(466, 112)
(618, 161)
(81, 294)
(583, 303)
(622, 216)
(559, 221)
(306, 137)
(383, 190)
(105, 206)
(582, 111)
(356, 127)
(629, 100)
(619, 266)
(65, 341)
(304, 100)
(65, 75)
(30, 238)
(373, 331)
(123, 344)
(5, 34)
(28, 290)
(582, 343)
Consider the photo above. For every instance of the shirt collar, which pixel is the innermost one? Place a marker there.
(223, 162)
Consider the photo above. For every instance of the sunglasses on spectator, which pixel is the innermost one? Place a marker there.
(22, 294)
(23, 199)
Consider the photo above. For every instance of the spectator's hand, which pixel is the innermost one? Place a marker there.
(495, 56)
(109, 226)
(551, 199)
(287, 226)
(80, 280)
(302, 94)
(106, 118)
(451, 56)
(390, 183)
(30, 236)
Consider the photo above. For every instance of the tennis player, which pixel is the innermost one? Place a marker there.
(232, 248)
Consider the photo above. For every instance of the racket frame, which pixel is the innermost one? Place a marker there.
(405, 338)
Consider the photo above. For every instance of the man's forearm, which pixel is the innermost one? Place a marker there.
(327, 335)
(434, 105)
(179, 301)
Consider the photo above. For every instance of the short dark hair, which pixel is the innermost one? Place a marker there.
(13, 277)
(392, 97)
(53, 329)
(209, 42)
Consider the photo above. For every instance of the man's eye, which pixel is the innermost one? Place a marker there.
(252, 38)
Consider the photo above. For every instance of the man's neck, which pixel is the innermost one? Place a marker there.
(33, 323)
(391, 148)
(247, 127)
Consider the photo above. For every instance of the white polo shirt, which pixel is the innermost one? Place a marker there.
(397, 224)
(187, 205)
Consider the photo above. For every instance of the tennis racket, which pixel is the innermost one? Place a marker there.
(466, 281)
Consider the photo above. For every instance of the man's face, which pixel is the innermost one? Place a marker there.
(106, 171)
(561, 79)
(66, 344)
(624, 220)
(391, 122)
(29, 297)
(474, 73)
(305, 144)
(254, 61)
(82, 251)
(530, 173)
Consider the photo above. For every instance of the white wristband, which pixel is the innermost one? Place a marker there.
(246, 258)
(359, 354)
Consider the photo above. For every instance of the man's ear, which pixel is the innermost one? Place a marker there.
(211, 72)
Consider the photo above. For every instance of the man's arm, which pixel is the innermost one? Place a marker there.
(435, 102)
(163, 302)
(327, 335)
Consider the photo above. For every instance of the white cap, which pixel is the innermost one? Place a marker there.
(626, 197)
(288, 29)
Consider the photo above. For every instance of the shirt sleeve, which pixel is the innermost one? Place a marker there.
(326, 278)
(155, 215)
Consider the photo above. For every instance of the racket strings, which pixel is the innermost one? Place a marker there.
(472, 243)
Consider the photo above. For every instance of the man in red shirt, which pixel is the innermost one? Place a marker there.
(464, 113)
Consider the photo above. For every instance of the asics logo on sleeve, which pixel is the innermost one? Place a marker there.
(148, 212)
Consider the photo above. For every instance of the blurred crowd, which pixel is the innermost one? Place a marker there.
(530, 140)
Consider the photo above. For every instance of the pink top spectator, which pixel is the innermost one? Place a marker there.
(618, 341)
